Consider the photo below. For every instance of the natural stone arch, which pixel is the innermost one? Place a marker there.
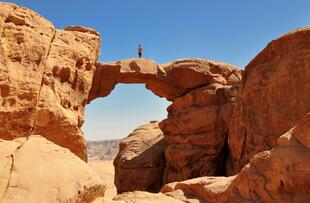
(170, 80)
(48, 93)
(202, 93)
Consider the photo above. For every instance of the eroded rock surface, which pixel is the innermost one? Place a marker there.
(46, 75)
(34, 169)
(49, 75)
(139, 165)
(65, 87)
(25, 40)
(279, 175)
(274, 95)
(197, 126)
(203, 93)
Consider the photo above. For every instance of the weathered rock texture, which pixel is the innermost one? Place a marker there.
(279, 175)
(140, 163)
(46, 75)
(65, 87)
(34, 169)
(274, 95)
(203, 93)
(197, 126)
(25, 40)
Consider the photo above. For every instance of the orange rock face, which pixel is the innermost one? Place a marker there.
(46, 76)
(34, 169)
(24, 46)
(197, 126)
(65, 87)
(140, 163)
(279, 175)
(274, 95)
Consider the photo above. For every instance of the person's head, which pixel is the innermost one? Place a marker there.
(140, 46)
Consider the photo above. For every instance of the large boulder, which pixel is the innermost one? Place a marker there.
(274, 95)
(34, 169)
(139, 165)
(279, 175)
(46, 75)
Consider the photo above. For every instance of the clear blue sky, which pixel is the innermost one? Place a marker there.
(223, 30)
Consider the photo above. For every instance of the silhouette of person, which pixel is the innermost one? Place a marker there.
(140, 51)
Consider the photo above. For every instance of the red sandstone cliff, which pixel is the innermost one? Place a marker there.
(274, 95)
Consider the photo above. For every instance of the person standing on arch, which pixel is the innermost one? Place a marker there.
(140, 51)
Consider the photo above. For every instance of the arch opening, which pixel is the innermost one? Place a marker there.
(109, 119)
(127, 107)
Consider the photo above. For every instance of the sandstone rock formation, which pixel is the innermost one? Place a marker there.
(139, 165)
(25, 40)
(34, 169)
(279, 175)
(205, 189)
(170, 80)
(49, 75)
(197, 126)
(203, 93)
(274, 95)
(65, 87)
(46, 75)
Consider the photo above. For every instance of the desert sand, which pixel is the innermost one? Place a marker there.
(105, 170)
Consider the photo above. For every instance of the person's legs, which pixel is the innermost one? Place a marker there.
(140, 54)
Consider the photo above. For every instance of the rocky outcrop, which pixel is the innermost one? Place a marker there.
(197, 126)
(203, 93)
(46, 76)
(65, 87)
(139, 165)
(34, 169)
(204, 189)
(274, 95)
(49, 75)
(279, 175)
(25, 40)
